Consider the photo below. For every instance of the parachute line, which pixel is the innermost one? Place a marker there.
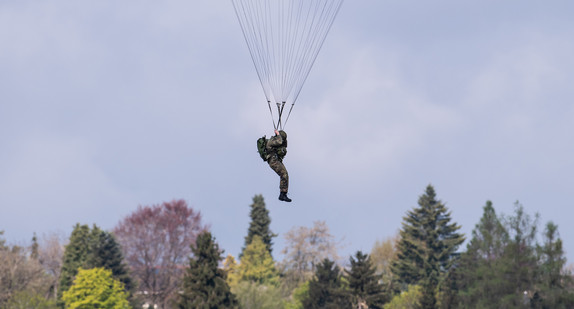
(284, 38)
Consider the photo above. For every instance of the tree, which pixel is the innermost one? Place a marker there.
(298, 296)
(156, 241)
(259, 225)
(50, 256)
(427, 248)
(257, 265)
(382, 255)
(95, 288)
(92, 248)
(30, 300)
(204, 284)
(304, 249)
(326, 289)
(478, 273)
(555, 283)
(364, 283)
(19, 273)
(409, 299)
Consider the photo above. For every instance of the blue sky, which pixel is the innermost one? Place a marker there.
(108, 105)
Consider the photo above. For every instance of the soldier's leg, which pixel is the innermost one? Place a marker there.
(280, 169)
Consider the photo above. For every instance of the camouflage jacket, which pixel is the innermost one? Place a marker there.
(276, 145)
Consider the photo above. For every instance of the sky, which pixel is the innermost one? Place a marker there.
(107, 105)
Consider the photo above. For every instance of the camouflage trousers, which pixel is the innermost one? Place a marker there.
(280, 169)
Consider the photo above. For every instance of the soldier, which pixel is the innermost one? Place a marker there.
(276, 151)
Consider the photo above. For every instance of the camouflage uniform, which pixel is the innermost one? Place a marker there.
(276, 150)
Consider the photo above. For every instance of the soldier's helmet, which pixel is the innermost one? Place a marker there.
(283, 134)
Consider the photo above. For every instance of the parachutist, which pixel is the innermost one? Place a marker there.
(276, 149)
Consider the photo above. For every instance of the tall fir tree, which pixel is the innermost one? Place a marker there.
(92, 248)
(259, 225)
(427, 248)
(204, 284)
(326, 288)
(364, 284)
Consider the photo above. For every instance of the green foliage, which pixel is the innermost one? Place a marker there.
(364, 283)
(555, 285)
(326, 289)
(92, 248)
(252, 295)
(259, 225)
(298, 296)
(204, 284)
(409, 299)
(427, 248)
(95, 288)
(29, 300)
(257, 264)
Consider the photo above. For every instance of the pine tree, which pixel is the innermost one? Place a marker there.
(259, 225)
(204, 284)
(555, 285)
(427, 247)
(326, 289)
(364, 283)
(478, 274)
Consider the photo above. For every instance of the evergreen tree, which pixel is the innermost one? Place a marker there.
(257, 265)
(364, 283)
(204, 284)
(92, 248)
(325, 291)
(259, 225)
(75, 256)
(96, 288)
(555, 284)
(478, 274)
(34, 248)
(427, 248)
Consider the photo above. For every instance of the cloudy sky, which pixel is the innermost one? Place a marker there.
(107, 105)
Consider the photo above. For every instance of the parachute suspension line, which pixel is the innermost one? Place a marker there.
(272, 118)
(284, 38)
(324, 22)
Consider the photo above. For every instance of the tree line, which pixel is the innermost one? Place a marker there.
(163, 255)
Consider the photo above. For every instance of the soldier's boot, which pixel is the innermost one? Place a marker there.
(283, 197)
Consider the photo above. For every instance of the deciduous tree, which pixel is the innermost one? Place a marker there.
(156, 241)
(304, 249)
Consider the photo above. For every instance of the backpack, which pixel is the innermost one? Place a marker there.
(262, 147)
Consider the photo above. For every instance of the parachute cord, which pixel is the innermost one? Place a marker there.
(280, 107)
(272, 118)
(289, 114)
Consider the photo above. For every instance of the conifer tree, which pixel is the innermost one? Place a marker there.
(96, 288)
(364, 283)
(555, 284)
(259, 225)
(427, 247)
(478, 275)
(92, 248)
(204, 284)
(326, 290)
(257, 265)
